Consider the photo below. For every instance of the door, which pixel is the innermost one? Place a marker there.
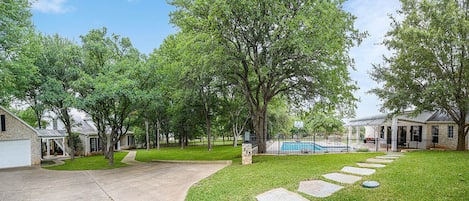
(402, 135)
(15, 153)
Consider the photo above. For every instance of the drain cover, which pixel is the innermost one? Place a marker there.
(370, 184)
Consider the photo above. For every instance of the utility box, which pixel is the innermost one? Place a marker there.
(247, 153)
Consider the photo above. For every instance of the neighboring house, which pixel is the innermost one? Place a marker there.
(19, 142)
(85, 127)
(423, 131)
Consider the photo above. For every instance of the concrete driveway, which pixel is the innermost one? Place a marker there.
(147, 181)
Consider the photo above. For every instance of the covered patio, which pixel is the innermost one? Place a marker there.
(53, 142)
(395, 132)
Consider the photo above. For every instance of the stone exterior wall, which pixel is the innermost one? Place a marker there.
(16, 129)
(443, 140)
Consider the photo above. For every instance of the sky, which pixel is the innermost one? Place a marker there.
(146, 23)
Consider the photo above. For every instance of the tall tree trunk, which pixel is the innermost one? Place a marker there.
(462, 133)
(158, 134)
(147, 134)
(71, 143)
(181, 140)
(260, 128)
(208, 124)
(110, 152)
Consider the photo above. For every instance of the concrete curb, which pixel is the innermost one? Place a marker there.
(227, 162)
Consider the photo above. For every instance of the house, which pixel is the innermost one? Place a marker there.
(88, 133)
(425, 130)
(19, 142)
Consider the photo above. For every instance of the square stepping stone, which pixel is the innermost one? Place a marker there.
(370, 165)
(377, 160)
(318, 188)
(342, 178)
(280, 194)
(387, 157)
(359, 171)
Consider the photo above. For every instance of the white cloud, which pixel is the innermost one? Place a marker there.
(51, 6)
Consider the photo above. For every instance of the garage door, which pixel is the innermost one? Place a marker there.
(15, 153)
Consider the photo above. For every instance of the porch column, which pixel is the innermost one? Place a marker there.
(377, 138)
(357, 135)
(48, 147)
(349, 140)
(394, 135)
(63, 145)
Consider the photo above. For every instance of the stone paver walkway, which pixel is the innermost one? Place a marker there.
(370, 165)
(129, 159)
(342, 178)
(280, 194)
(359, 171)
(320, 188)
(377, 160)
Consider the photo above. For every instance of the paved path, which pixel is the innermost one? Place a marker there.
(145, 181)
(129, 159)
(321, 188)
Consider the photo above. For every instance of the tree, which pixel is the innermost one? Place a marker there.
(60, 61)
(186, 61)
(109, 89)
(295, 48)
(429, 68)
(15, 32)
(29, 116)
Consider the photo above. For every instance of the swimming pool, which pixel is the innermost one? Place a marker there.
(310, 146)
(298, 146)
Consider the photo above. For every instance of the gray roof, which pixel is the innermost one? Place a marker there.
(368, 121)
(51, 133)
(422, 117)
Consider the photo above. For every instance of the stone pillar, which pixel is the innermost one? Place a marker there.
(394, 134)
(247, 154)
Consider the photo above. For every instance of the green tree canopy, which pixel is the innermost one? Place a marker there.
(295, 48)
(429, 67)
(15, 46)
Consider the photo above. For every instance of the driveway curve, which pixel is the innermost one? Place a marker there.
(147, 181)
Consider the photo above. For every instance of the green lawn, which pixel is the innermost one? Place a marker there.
(426, 175)
(422, 175)
(238, 182)
(91, 163)
(227, 152)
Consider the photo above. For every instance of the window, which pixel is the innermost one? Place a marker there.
(435, 131)
(450, 131)
(2, 122)
(416, 133)
(95, 144)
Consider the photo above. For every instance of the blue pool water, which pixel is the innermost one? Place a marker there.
(299, 146)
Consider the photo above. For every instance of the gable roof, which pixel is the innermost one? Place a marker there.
(20, 120)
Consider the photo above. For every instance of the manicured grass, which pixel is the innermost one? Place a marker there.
(226, 152)
(238, 182)
(91, 163)
(426, 175)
